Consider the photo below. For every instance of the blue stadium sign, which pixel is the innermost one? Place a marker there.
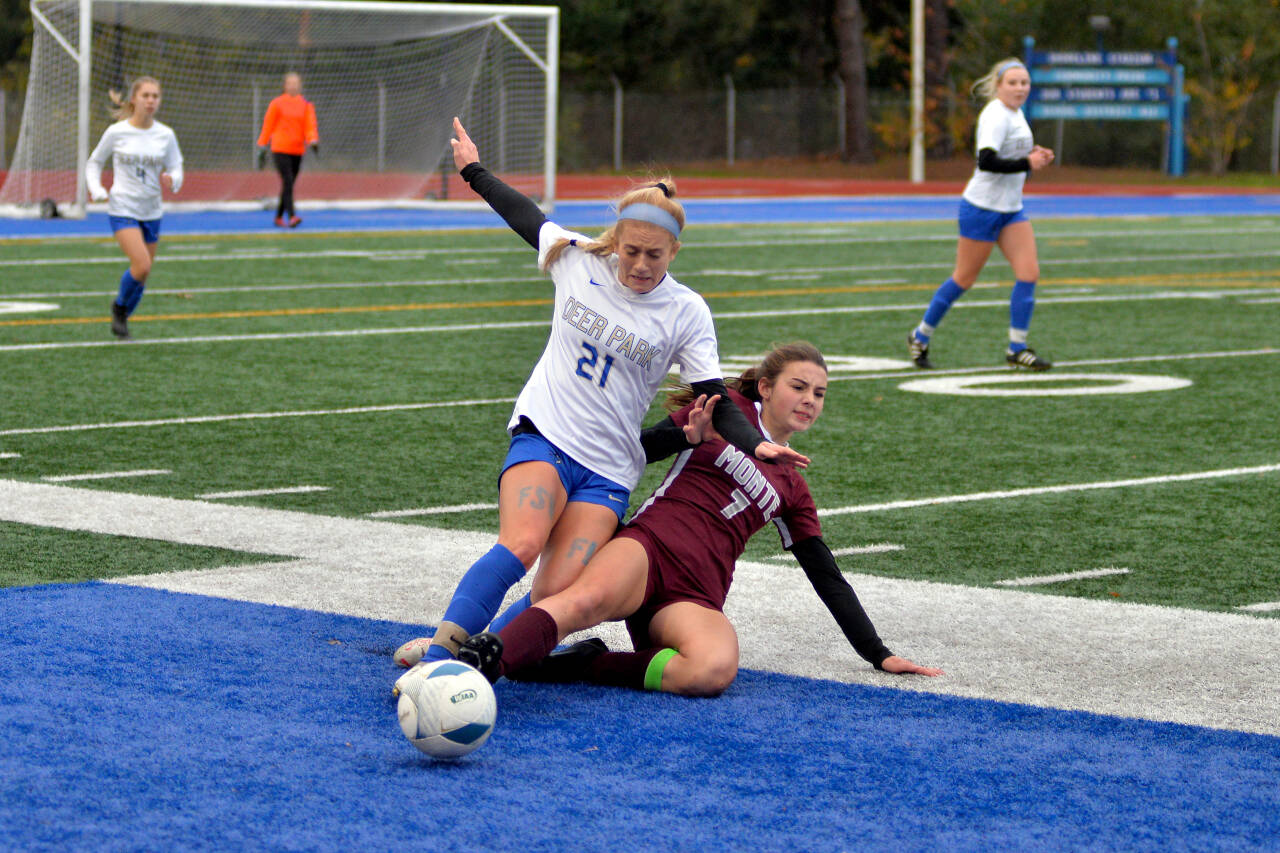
(1111, 85)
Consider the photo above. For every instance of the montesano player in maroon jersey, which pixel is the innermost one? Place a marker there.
(667, 572)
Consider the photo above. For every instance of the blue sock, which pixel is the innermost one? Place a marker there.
(516, 608)
(1021, 304)
(948, 292)
(480, 593)
(130, 292)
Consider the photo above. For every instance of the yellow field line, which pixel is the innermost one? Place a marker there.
(1228, 279)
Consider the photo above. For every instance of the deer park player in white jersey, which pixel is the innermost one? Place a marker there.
(991, 215)
(145, 161)
(619, 325)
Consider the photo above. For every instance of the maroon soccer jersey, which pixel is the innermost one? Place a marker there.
(711, 502)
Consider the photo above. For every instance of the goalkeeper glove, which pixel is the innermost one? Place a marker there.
(262, 158)
(315, 148)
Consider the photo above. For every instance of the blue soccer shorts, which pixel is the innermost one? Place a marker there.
(580, 483)
(978, 223)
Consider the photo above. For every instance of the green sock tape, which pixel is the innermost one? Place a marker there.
(653, 673)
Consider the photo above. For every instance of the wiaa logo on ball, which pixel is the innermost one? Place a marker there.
(464, 696)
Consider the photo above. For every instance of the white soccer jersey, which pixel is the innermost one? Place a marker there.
(609, 351)
(138, 157)
(1007, 132)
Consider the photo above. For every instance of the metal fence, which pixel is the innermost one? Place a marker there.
(636, 129)
(629, 129)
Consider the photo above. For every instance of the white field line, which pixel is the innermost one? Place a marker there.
(1207, 669)
(1149, 260)
(105, 475)
(771, 273)
(257, 493)
(1050, 490)
(250, 416)
(1261, 607)
(429, 510)
(283, 336)
(798, 274)
(882, 548)
(532, 277)
(825, 240)
(1037, 580)
(1270, 301)
(1092, 362)
(396, 407)
(913, 307)
(10, 455)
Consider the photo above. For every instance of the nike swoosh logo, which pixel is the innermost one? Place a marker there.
(596, 283)
(612, 498)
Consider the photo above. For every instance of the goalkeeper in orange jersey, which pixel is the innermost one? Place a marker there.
(288, 129)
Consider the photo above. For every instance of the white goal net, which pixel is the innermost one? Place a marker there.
(386, 80)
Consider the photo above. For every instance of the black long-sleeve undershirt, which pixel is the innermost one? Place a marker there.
(990, 161)
(519, 211)
(667, 438)
(820, 567)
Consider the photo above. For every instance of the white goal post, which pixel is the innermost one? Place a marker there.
(386, 79)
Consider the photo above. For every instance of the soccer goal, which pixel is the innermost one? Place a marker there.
(386, 80)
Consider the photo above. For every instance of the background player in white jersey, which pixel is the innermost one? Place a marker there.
(145, 160)
(991, 214)
(620, 323)
(669, 570)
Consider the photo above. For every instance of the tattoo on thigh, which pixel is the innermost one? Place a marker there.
(585, 547)
(536, 497)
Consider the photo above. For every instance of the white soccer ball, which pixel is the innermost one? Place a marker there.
(446, 708)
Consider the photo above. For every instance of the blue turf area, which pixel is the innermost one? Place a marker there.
(139, 719)
(594, 214)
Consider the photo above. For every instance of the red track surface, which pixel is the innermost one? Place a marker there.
(606, 186)
(335, 185)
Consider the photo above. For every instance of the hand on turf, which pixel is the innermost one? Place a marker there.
(902, 666)
(699, 428)
(770, 452)
(464, 150)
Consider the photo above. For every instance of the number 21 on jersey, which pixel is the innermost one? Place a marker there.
(587, 365)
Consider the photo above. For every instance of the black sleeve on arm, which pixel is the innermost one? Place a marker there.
(524, 217)
(663, 439)
(728, 419)
(820, 566)
(989, 161)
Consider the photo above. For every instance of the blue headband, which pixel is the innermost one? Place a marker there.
(1005, 66)
(652, 214)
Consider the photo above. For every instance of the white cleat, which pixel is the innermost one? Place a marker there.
(411, 652)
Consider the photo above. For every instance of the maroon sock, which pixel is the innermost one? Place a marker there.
(528, 638)
(622, 669)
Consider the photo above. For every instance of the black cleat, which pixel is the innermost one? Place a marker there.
(919, 352)
(119, 321)
(1027, 358)
(565, 666)
(484, 652)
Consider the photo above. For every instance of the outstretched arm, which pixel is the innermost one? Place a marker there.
(524, 217)
(820, 567)
(734, 427)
